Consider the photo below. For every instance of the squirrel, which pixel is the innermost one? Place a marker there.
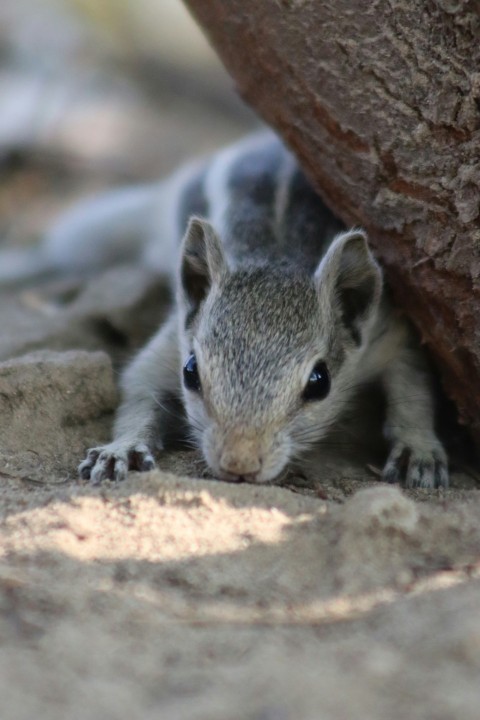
(280, 313)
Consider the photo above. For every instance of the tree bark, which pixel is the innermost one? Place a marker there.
(380, 102)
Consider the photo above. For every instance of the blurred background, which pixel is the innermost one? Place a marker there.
(96, 93)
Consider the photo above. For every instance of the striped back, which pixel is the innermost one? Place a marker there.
(260, 203)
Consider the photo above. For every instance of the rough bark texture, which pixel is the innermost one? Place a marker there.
(381, 103)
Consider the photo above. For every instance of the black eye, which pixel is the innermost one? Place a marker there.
(318, 385)
(191, 378)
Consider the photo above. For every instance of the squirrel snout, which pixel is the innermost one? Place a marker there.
(245, 455)
(242, 462)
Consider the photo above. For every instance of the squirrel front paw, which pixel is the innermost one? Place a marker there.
(113, 461)
(419, 465)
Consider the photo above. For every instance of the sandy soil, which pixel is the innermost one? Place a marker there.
(177, 597)
(173, 595)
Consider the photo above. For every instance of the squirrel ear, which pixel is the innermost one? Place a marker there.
(349, 281)
(202, 261)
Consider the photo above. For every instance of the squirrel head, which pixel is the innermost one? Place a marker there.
(270, 352)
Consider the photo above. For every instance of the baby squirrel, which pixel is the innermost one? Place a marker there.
(280, 314)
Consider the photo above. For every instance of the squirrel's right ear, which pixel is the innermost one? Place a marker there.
(202, 262)
(349, 282)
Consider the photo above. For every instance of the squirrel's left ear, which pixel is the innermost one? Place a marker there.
(349, 282)
(202, 262)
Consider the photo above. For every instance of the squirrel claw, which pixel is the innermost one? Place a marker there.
(417, 467)
(112, 462)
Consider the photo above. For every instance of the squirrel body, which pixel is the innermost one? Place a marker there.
(279, 315)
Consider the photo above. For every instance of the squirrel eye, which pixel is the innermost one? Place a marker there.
(318, 385)
(191, 378)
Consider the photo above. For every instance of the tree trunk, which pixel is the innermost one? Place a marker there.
(381, 103)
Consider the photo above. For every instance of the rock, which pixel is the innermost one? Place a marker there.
(52, 406)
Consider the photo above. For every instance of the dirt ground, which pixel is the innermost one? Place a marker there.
(173, 595)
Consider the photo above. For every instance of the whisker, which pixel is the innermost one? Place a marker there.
(190, 443)
(166, 408)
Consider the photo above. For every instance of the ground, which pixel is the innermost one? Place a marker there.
(173, 595)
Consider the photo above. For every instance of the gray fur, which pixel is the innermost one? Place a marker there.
(267, 285)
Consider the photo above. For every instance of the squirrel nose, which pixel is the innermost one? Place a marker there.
(234, 477)
(241, 464)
